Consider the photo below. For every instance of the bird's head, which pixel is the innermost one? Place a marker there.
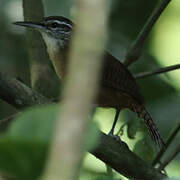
(54, 29)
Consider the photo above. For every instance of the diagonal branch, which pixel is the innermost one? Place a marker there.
(135, 49)
(18, 94)
(156, 72)
(116, 154)
(169, 158)
(169, 141)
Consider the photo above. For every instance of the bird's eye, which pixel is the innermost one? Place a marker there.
(54, 25)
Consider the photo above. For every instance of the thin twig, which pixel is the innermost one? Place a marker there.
(158, 71)
(169, 141)
(170, 158)
(135, 49)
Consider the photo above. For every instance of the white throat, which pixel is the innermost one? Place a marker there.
(51, 43)
(54, 51)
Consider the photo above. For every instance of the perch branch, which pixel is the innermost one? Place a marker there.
(118, 156)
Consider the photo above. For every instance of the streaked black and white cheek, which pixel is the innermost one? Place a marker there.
(51, 42)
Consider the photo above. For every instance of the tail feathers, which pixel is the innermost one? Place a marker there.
(142, 113)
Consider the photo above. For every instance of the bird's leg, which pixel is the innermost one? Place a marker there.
(111, 133)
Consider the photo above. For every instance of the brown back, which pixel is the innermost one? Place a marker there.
(115, 75)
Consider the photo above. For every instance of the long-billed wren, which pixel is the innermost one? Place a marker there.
(118, 89)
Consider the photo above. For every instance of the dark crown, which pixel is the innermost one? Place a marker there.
(58, 18)
(58, 21)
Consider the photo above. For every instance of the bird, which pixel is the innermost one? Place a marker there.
(117, 89)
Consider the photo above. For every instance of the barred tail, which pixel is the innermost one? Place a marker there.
(142, 113)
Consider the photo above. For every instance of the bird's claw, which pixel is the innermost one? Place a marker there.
(116, 137)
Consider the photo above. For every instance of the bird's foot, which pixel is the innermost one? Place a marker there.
(116, 137)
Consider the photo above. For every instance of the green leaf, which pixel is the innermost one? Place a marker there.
(132, 126)
(21, 159)
(23, 149)
(35, 124)
(145, 149)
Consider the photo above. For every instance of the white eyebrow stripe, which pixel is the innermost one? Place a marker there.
(63, 23)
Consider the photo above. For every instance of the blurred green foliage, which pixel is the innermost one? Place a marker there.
(25, 145)
(126, 20)
(22, 159)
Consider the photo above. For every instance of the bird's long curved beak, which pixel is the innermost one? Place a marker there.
(35, 25)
